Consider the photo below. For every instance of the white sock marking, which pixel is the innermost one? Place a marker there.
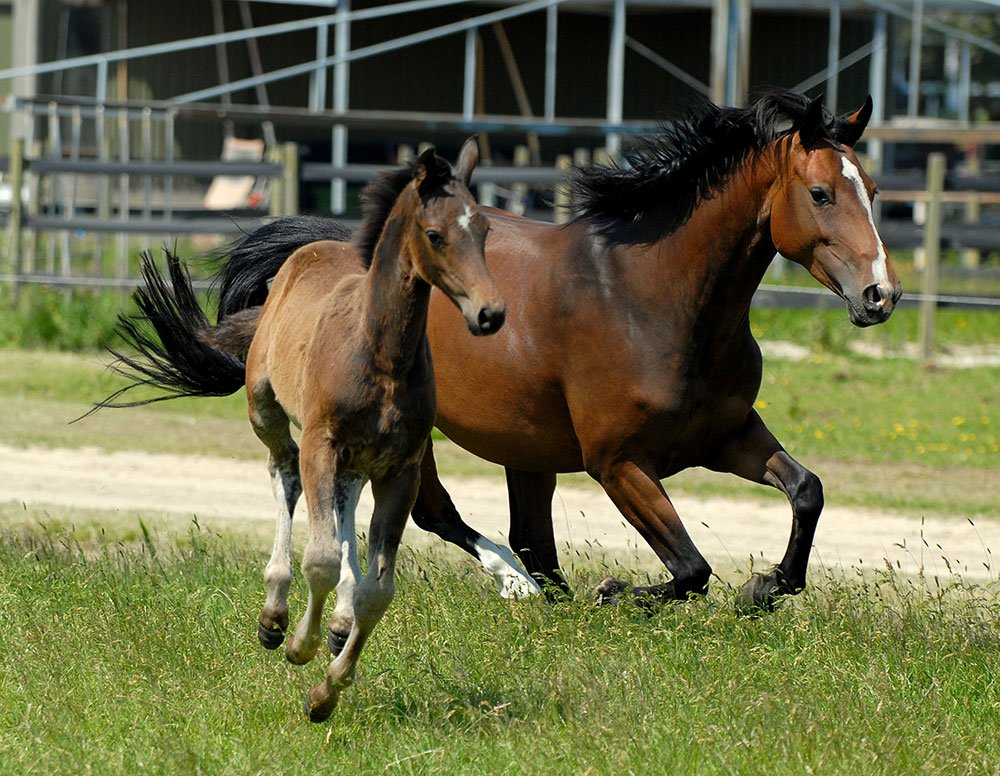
(512, 581)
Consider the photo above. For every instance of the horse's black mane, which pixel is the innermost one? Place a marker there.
(664, 176)
(378, 198)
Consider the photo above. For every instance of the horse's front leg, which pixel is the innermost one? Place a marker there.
(754, 454)
(394, 497)
(640, 497)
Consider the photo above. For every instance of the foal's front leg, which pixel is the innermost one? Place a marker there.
(394, 497)
(754, 454)
(326, 492)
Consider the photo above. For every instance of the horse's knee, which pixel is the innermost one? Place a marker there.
(372, 598)
(321, 567)
(807, 496)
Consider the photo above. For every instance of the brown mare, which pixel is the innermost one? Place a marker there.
(627, 352)
(345, 357)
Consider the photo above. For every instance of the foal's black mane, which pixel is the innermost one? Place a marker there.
(379, 196)
(665, 175)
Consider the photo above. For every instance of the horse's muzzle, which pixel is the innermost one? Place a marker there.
(876, 305)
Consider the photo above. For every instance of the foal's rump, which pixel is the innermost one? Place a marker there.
(172, 344)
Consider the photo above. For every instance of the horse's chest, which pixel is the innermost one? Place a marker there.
(381, 424)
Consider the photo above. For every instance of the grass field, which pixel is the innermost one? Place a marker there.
(127, 659)
(130, 649)
(923, 439)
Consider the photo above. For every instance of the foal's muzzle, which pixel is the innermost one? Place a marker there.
(489, 320)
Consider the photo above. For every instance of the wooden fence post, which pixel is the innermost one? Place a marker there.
(290, 178)
(932, 253)
(15, 217)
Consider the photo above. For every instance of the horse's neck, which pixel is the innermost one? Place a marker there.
(716, 260)
(396, 302)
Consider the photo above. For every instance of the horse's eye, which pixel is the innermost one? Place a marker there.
(436, 239)
(820, 195)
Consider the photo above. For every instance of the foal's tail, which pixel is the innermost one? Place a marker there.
(183, 354)
(254, 261)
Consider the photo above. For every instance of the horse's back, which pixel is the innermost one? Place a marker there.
(310, 287)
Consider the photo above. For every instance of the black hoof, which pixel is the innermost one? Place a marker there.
(316, 713)
(762, 593)
(609, 591)
(336, 641)
(270, 638)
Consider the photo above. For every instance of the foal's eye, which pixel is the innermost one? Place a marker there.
(820, 195)
(436, 239)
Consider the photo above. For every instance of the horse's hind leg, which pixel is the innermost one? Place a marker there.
(434, 511)
(756, 455)
(531, 535)
(270, 423)
(394, 499)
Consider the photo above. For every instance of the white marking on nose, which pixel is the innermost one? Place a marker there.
(465, 220)
(879, 269)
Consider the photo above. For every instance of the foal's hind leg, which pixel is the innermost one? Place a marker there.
(434, 511)
(270, 423)
(756, 455)
(394, 499)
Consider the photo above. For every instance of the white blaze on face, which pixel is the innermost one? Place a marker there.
(852, 174)
(465, 220)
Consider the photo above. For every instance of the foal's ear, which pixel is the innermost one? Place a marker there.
(812, 128)
(425, 166)
(468, 158)
(852, 125)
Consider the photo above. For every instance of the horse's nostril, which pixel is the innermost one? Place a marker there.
(873, 297)
(491, 318)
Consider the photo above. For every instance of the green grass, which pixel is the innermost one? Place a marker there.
(143, 658)
(924, 440)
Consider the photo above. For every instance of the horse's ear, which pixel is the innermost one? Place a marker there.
(852, 125)
(812, 128)
(426, 165)
(468, 158)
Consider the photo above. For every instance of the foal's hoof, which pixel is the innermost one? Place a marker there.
(336, 641)
(762, 593)
(270, 638)
(318, 711)
(609, 591)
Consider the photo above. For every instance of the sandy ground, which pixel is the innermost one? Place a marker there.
(222, 492)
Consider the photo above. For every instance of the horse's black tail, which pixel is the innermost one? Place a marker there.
(167, 334)
(252, 262)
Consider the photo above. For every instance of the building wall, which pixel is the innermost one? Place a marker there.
(785, 49)
(6, 60)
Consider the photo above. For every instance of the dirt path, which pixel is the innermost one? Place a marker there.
(727, 531)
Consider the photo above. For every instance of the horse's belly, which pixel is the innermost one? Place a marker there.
(512, 439)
